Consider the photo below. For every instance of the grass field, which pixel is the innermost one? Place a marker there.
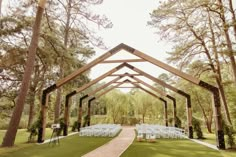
(72, 146)
(22, 135)
(169, 148)
(75, 146)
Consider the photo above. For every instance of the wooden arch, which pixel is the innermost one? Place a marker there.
(105, 85)
(140, 73)
(65, 131)
(135, 86)
(214, 90)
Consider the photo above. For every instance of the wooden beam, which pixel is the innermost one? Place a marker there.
(108, 90)
(123, 60)
(126, 82)
(142, 73)
(140, 87)
(92, 64)
(161, 64)
(126, 87)
(149, 86)
(100, 78)
(104, 86)
(125, 75)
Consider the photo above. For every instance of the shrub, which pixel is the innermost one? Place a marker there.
(229, 132)
(74, 126)
(62, 126)
(34, 129)
(197, 128)
(86, 119)
(178, 121)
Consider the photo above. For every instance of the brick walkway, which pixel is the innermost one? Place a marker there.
(115, 147)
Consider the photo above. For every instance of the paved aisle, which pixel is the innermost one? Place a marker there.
(115, 147)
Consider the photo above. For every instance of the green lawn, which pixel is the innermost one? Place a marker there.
(72, 146)
(22, 135)
(170, 148)
(210, 138)
(75, 146)
(21, 139)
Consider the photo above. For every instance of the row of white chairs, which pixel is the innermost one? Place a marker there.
(102, 130)
(148, 131)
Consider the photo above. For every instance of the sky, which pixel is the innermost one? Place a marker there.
(129, 18)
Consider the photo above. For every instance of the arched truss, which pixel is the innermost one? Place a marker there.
(214, 90)
(109, 83)
(135, 85)
(140, 73)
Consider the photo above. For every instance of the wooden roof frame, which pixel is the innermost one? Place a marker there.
(113, 81)
(214, 90)
(139, 73)
(135, 86)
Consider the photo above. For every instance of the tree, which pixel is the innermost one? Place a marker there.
(229, 45)
(9, 138)
(189, 25)
(231, 9)
(115, 102)
(143, 103)
(0, 8)
(73, 18)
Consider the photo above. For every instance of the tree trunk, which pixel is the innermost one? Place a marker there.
(233, 17)
(208, 125)
(209, 122)
(143, 117)
(0, 8)
(10, 135)
(61, 75)
(228, 40)
(57, 107)
(217, 71)
(32, 106)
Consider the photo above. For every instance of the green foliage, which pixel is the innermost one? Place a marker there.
(62, 126)
(197, 128)
(74, 126)
(34, 129)
(85, 121)
(10, 25)
(177, 121)
(229, 132)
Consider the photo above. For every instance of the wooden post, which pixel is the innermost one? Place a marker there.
(174, 109)
(66, 113)
(80, 111)
(66, 118)
(189, 117)
(89, 109)
(165, 112)
(43, 113)
(217, 112)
